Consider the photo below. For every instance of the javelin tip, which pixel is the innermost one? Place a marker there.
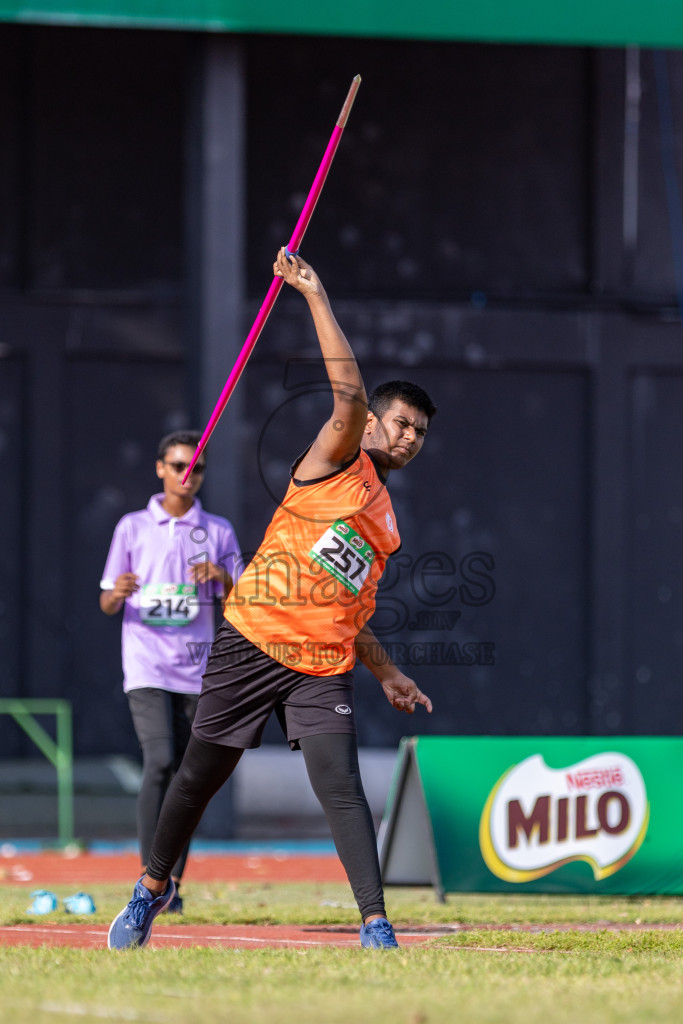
(348, 103)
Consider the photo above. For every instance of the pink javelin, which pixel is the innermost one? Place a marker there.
(276, 285)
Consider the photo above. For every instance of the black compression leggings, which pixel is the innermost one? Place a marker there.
(332, 766)
(163, 723)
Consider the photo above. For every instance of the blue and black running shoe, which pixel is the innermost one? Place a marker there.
(176, 905)
(378, 934)
(133, 926)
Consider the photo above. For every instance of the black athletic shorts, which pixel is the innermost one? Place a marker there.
(242, 685)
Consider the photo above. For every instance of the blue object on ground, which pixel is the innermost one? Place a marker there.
(81, 903)
(44, 902)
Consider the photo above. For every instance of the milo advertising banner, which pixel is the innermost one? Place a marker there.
(536, 814)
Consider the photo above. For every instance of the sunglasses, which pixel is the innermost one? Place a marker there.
(180, 467)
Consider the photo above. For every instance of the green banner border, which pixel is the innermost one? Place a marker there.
(656, 23)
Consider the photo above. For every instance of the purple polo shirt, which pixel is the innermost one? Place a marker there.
(160, 549)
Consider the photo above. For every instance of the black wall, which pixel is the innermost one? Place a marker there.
(500, 225)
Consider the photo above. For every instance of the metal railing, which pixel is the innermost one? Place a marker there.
(59, 752)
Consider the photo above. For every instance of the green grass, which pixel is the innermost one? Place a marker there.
(316, 903)
(502, 973)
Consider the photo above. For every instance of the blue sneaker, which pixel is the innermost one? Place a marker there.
(176, 905)
(81, 903)
(44, 902)
(378, 934)
(133, 926)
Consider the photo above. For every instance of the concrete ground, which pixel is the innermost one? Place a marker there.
(269, 797)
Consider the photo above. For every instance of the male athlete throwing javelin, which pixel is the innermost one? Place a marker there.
(294, 625)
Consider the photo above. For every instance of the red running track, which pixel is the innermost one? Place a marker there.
(164, 936)
(42, 870)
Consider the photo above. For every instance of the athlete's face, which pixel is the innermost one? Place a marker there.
(172, 468)
(398, 435)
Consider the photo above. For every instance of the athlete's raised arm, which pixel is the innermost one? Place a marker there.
(340, 435)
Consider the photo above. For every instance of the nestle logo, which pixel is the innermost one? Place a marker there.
(538, 818)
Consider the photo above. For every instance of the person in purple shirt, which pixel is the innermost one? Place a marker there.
(166, 567)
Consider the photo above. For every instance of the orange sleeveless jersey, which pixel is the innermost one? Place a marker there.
(311, 585)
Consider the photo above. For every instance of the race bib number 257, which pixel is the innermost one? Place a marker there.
(344, 554)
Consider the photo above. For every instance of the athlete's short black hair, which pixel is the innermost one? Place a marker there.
(189, 437)
(383, 395)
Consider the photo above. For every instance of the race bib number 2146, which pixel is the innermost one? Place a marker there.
(344, 554)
